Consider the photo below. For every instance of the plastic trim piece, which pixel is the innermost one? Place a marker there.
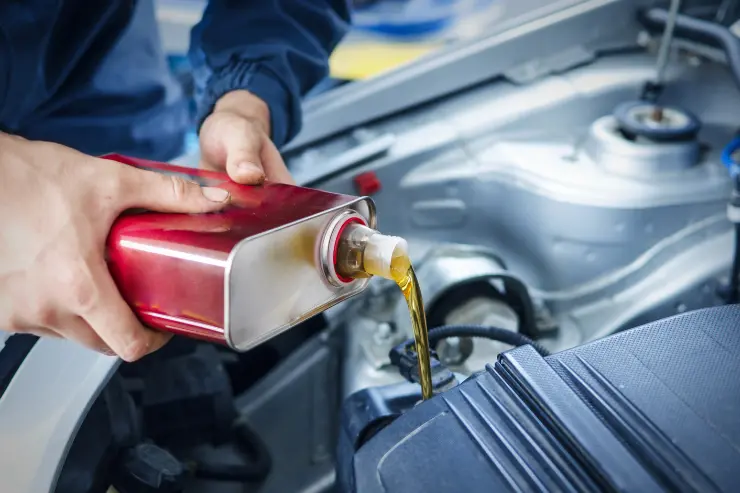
(42, 409)
(13, 350)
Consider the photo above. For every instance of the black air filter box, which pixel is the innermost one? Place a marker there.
(656, 408)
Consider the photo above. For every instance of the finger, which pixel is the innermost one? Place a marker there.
(112, 319)
(39, 332)
(76, 329)
(167, 193)
(243, 144)
(274, 165)
(24, 319)
(43, 332)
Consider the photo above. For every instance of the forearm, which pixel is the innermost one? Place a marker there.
(275, 49)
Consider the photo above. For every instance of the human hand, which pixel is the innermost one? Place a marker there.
(56, 210)
(236, 138)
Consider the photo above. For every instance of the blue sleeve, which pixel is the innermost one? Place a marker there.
(276, 49)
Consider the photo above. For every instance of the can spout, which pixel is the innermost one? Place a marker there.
(386, 256)
(364, 252)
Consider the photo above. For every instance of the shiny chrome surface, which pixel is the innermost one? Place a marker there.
(236, 276)
(275, 280)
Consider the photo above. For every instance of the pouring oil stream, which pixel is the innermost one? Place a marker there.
(363, 252)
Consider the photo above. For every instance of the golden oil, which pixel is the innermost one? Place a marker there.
(405, 278)
(364, 251)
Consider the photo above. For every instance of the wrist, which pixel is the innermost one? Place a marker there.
(228, 85)
(246, 105)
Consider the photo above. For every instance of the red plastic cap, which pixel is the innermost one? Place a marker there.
(367, 183)
(335, 253)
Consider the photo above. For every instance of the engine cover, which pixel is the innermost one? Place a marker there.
(650, 409)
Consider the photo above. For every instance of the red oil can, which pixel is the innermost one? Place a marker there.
(239, 276)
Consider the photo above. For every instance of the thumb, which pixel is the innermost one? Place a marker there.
(167, 193)
(243, 145)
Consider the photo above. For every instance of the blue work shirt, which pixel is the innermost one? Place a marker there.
(92, 74)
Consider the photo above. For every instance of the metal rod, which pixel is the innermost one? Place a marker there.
(665, 43)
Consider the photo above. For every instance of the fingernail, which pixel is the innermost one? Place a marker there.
(250, 172)
(215, 194)
(248, 167)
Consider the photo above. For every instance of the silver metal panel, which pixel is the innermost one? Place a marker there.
(42, 409)
(510, 168)
(514, 44)
(682, 279)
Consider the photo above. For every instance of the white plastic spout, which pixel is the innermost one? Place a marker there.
(380, 252)
(363, 252)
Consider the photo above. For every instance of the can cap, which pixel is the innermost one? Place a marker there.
(380, 252)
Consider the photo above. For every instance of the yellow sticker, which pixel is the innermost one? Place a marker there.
(362, 60)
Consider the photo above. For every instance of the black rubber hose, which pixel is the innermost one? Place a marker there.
(258, 461)
(485, 332)
(700, 31)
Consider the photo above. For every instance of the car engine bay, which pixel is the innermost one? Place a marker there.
(548, 183)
